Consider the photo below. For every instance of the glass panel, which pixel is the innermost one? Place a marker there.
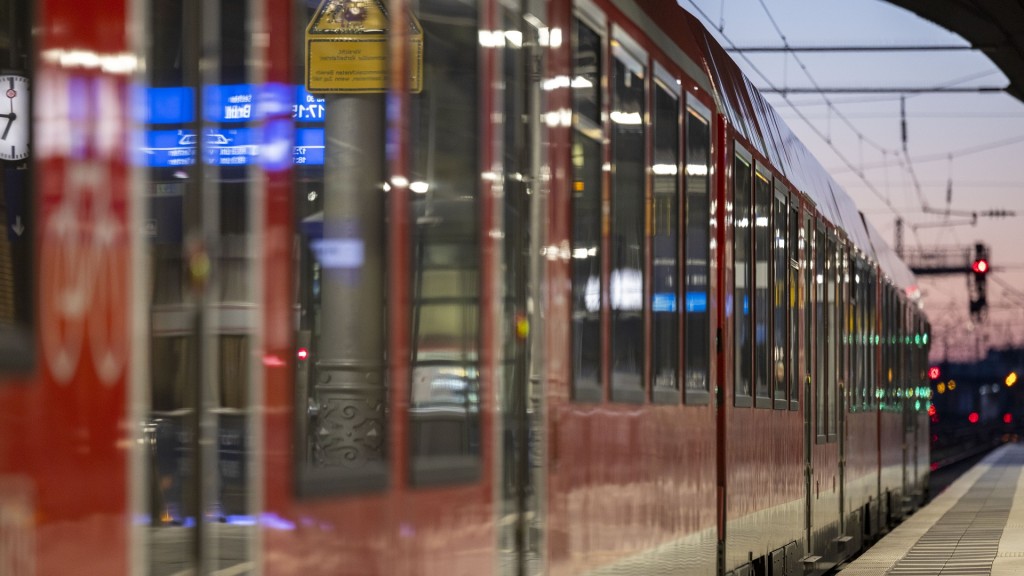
(665, 241)
(743, 222)
(779, 299)
(807, 300)
(863, 333)
(627, 229)
(820, 336)
(517, 417)
(444, 409)
(762, 290)
(586, 215)
(339, 202)
(853, 337)
(874, 338)
(832, 329)
(698, 214)
(200, 136)
(795, 301)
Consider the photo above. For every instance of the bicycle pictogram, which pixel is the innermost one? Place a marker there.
(83, 277)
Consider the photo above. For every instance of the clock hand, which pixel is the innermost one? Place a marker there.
(10, 120)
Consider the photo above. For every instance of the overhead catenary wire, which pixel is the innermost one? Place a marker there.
(810, 124)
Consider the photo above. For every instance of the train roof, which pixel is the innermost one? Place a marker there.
(752, 116)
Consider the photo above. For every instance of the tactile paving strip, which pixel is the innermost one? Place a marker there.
(965, 540)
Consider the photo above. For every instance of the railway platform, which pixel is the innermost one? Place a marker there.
(975, 527)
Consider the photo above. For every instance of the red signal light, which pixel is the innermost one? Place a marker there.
(303, 354)
(931, 410)
(934, 373)
(973, 418)
(1007, 418)
(980, 266)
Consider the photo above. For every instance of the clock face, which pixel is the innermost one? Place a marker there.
(14, 117)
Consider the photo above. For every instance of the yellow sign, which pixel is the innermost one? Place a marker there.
(347, 48)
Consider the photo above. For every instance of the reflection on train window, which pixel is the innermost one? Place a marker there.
(807, 266)
(779, 300)
(444, 409)
(853, 336)
(586, 214)
(665, 246)
(868, 366)
(871, 332)
(832, 330)
(697, 319)
(795, 302)
(341, 387)
(762, 291)
(820, 337)
(743, 278)
(17, 342)
(195, 161)
(842, 329)
(626, 284)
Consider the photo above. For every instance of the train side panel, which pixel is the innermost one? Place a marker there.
(64, 428)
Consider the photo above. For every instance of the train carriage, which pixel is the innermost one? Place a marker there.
(433, 287)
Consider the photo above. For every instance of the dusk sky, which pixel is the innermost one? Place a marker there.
(969, 143)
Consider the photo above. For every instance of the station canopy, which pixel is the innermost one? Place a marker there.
(995, 27)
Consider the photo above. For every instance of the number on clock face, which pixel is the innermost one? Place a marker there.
(14, 117)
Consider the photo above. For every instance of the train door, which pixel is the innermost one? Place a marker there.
(199, 196)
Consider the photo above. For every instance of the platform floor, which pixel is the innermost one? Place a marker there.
(975, 527)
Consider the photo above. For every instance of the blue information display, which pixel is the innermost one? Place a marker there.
(165, 147)
(229, 103)
(309, 146)
(227, 147)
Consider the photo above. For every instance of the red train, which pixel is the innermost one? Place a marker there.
(435, 287)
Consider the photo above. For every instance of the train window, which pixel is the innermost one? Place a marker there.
(444, 409)
(820, 336)
(743, 278)
(872, 337)
(864, 335)
(586, 214)
(888, 351)
(199, 181)
(832, 330)
(17, 340)
(795, 302)
(845, 317)
(626, 284)
(807, 301)
(852, 337)
(780, 296)
(665, 245)
(762, 289)
(698, 252)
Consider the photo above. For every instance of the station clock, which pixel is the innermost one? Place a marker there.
(14, 117)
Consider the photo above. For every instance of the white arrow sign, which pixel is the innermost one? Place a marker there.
(17, 227)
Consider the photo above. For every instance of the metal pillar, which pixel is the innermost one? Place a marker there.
(348, 396)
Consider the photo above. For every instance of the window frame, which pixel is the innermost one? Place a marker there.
(663, 79)
(622, 49)
(820, 331)
(596, 22)
(762, 310)
(795, 299)
(743, 400)
(779, 353)
(693, 106)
